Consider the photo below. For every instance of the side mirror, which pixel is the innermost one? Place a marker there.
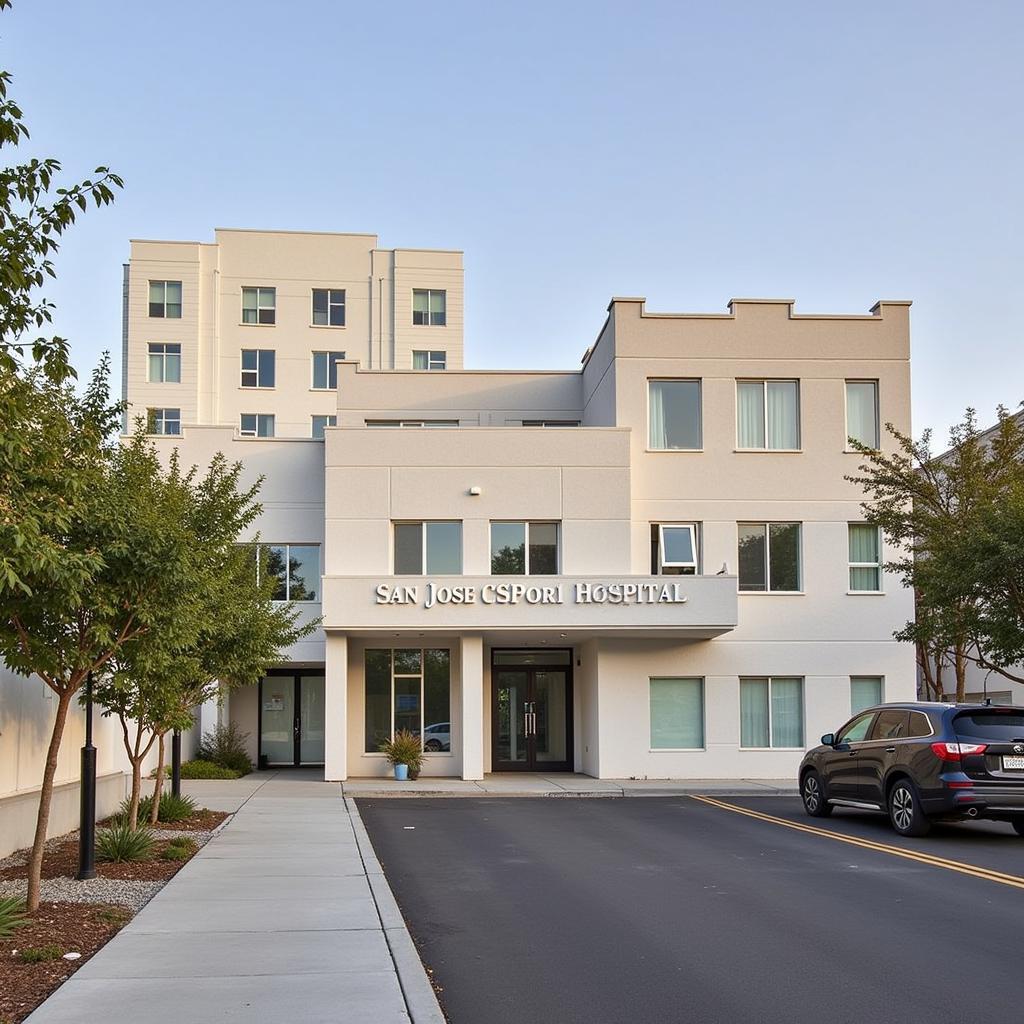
(829, 739)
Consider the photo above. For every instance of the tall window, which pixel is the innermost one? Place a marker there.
(677, 714)
(768, 414)
(163, 421)
(769, 556)
(862, 412)
(259, 305)
(296, 568)
(429, 307)
(258, 367)
(674, 411)
(407, 688)
(429, 360)
(865, 692)
(256, 424)
(524, 549)
(772, 712)
(328, 307)
(865, 557)
(164, 364)
(674, 549)
(320, 423)
(428, 548)
(325, 369)
(165, 299)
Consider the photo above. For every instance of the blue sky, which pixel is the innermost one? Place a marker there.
(689, 152)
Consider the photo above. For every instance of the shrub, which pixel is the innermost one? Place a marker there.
(185, 842)
(406, 749)
(176, 853)
(40, 954)
(172, 808)
(225, 745)
(121, 843)
(12, 915)
(114, 915)
(200, 769)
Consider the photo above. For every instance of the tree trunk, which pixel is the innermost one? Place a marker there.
(133, 804)
(961, 673)
(35, 862)
(158, 786)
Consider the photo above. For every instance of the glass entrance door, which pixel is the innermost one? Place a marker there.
(292, 720)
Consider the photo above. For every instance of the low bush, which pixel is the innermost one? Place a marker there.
(40, 954)
(176, 853)
(172, 808)
(200, 769)
(405, 749)
(186, 842)
(225, 745)
(121, 843)
(12, 915)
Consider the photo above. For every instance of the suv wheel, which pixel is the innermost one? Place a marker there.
(905, 810)
(1018, 826)
(813, 793)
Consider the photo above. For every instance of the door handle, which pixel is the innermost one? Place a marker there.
(890, 750)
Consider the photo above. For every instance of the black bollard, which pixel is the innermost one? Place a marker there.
(87, 805)
(176, 763)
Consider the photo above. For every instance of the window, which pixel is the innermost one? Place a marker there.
(429, 360)
(328, 307)
(319, 423)
(296, 568)
(258, 367)
(674, 549)
(890, 725)
(164, 364)
(259, 305)
(677, 714)
(771, 712)
(768, 414)
(865, 558)
(325, 369)
(411, 423)
(428, 307)
(524, 549)
(857, 730)
(862, 412)
(674, 411)
(551, 423)
(163, 421)
(256, 424)
(865, 692)
(428, 548)
(407, 689)
(165, 299)
(769, 557)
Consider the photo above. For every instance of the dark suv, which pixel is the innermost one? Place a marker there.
(920, 762)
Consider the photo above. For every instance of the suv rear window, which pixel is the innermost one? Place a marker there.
(991, 725)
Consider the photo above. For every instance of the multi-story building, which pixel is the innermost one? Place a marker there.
(650, 566)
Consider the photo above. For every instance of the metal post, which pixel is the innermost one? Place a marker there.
(176, 763)
(87, 805)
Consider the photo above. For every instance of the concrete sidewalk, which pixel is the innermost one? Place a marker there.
(284, 915)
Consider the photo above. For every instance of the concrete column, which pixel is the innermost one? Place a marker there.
(336, 708)
(472, 658)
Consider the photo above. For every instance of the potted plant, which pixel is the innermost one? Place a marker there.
(405, 752)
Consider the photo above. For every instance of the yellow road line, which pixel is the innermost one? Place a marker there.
(988, 874)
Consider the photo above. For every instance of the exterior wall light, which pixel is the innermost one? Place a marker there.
(475, 491)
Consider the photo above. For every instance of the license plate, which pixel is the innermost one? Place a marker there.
(1013, 762)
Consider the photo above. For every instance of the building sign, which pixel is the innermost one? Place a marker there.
(581, 593)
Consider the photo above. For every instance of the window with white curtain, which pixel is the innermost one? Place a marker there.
(426, 360)
(865, 692)
(164, 364)
(772, 712)
(674, 415)
(429, 307)
(768, 414)
(865, 557)
(862, 412)
(677, 714)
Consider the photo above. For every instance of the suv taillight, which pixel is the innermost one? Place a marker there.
(957, 751)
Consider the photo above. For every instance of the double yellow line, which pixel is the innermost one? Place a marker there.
(922, 858)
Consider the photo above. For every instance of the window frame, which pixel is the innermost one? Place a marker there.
(260, 358)
(259, 289)
(429, 292)
(150, 304)
(846, 413)
(158, 415)
(333, 357)
(433, 363)
(423, 523)
(662, 564)
(450, 752)
(701, 680)
(163, 354)
(767, 524)
(771, 717)
(331, 421)
(527, 523)
(287, 559)
(260, 416)
(699, 381)
(764, 382)
(877, 566)
(881, 692)
(331, 306)
(396, 424)
(549, 423)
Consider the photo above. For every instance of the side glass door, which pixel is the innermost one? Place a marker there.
(550, 719)
(277, 720)
(510, 711)
(312, 719)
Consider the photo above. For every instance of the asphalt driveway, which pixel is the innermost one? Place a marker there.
(674, 909)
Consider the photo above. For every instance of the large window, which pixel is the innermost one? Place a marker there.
(677, 714)
(428, 548)
(429, 307)
(165, 299)
(328, 307)
(296, 568)
(865, 558)
(325, 369)
(524, 549)
(320, 423)
(772, 712)
(163, 421)
(865, 692)
(768, 414)
(674, 415)
(674, 549)
(408, 688)
(256, 424)
(258, 367)
(259, 305)
(769, 557)
(164, 364)
(430, 360)
(862, 412)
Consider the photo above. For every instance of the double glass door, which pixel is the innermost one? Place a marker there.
(292, 720)
(531, 717)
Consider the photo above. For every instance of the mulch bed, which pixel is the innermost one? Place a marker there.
(74, 928)
(202, 821)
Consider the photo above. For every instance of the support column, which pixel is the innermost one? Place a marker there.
(472, 660)
(336, 708)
